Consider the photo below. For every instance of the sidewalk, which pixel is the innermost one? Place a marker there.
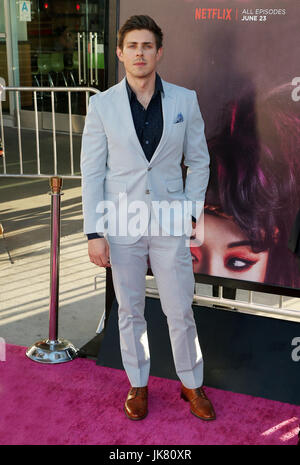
(25, 284)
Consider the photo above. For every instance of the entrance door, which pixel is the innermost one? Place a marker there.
(68, 46)
(67, 40)
(6, 56)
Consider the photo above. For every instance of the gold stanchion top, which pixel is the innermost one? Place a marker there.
(56, 184)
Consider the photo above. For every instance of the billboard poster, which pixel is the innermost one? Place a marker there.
(242, 58)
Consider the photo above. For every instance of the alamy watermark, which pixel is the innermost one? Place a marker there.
(296, 351)
(123, 218)
(296, 91)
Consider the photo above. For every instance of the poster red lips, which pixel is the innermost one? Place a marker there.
(242, 58)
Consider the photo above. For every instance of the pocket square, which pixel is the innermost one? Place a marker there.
(179, 118)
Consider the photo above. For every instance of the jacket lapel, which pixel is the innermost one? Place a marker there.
(168, 108)
(124, 105)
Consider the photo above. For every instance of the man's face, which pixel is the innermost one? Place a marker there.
(139, 54)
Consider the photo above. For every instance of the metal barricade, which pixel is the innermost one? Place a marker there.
(243, 306)
(52, 349)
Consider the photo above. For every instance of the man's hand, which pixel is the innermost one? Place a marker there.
(98, 250)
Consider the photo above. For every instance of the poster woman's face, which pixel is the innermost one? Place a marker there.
(226, 252)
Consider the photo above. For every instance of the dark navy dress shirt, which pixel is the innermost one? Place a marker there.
(148, 122)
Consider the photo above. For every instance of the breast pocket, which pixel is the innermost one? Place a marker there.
(177, 132)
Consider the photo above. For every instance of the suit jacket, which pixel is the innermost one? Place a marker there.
(117, 174)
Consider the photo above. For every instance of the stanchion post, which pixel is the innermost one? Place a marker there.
(53, 349)
(56, 185)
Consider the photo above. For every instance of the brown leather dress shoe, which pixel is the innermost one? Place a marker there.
(201, 406)
(136, 405)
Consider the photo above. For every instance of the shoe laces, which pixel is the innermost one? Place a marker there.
(201, 393)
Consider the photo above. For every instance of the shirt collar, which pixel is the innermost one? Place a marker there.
(158, 88)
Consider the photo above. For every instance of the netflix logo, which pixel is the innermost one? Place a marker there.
(218, 14)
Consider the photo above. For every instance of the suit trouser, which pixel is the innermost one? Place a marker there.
(171, 264)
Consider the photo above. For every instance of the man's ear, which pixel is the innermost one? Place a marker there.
(159, 53)
(119, 53)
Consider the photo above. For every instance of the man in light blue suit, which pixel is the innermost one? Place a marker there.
(136, 207)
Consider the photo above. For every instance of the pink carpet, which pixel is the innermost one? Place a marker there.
(81, 403)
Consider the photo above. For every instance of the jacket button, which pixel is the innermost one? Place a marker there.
(147, 191)
(150, 168)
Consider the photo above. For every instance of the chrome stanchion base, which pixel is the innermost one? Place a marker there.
(46, 351)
